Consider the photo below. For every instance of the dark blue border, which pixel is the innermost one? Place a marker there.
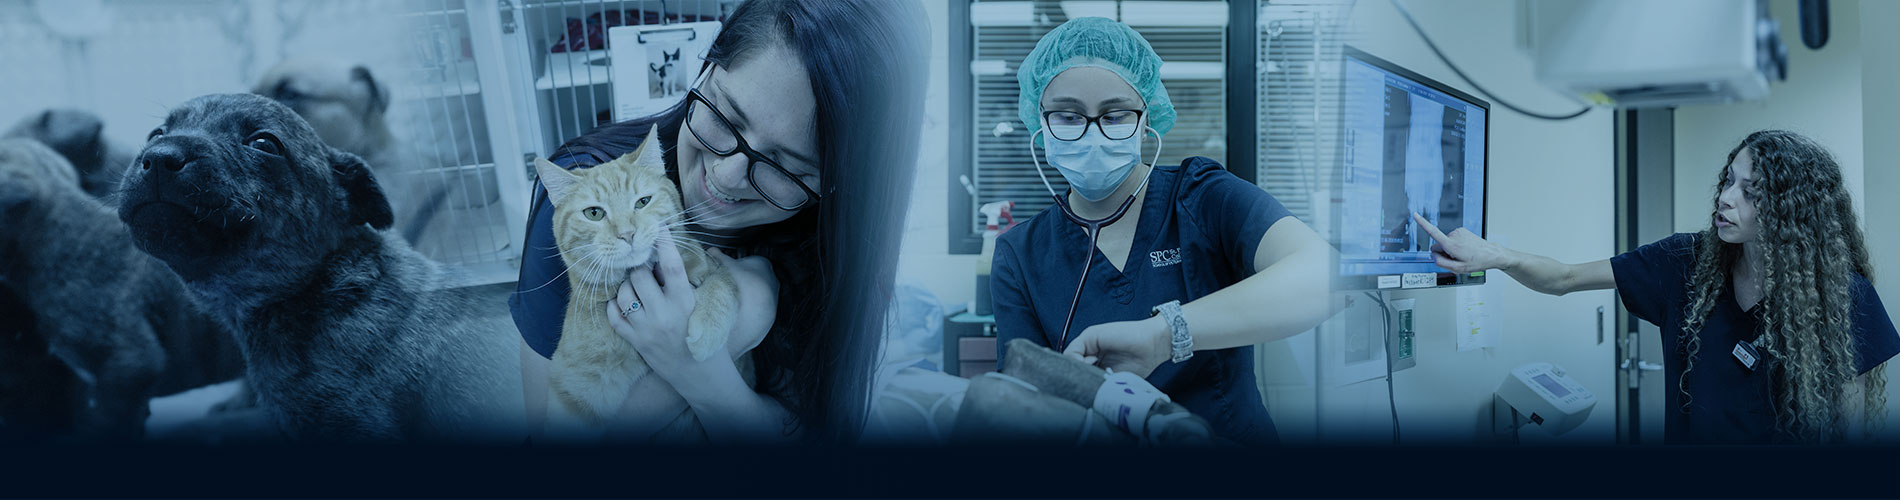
(1352, 472)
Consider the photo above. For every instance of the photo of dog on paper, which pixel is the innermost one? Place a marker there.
(657, 64)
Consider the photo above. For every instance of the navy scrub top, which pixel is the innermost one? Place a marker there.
(1728, 402)
(1199, 228)
(539, 304)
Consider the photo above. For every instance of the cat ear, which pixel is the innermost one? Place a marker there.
(649, 154)
(557, 180)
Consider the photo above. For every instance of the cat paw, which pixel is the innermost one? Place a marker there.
(704, 346)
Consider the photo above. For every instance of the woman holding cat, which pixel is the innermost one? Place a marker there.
(791, 150)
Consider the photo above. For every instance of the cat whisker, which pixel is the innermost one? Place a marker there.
(687, 217)
(692, 245)
(696, 205)
(701, 219)
(551, 281)
(582, 248)
(696, 233)
(705, 243)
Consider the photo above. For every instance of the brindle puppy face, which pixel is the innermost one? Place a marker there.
(233, 180)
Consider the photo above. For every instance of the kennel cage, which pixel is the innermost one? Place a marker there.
(557, 55)
(498, 83)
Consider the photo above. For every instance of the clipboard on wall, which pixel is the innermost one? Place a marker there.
(654, 65)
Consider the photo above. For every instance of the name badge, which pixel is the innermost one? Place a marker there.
(1745, 352)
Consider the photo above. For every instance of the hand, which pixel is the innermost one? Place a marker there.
(758, 300)
(1125, 346)
(1463, 252)
(657, 329)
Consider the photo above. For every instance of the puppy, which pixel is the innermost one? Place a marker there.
(347, 333)
(94, 328)
(77, 136)
(343, 102)
(349, 108)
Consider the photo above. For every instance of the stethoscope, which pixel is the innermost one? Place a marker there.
(1094, 226)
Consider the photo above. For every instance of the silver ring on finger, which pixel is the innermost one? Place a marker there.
(630, 309)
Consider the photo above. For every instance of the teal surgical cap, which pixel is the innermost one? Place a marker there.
(1099, 42)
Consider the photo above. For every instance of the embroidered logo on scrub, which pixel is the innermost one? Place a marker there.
(1164, 258)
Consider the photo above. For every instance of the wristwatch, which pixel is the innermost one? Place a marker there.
(1181, 341)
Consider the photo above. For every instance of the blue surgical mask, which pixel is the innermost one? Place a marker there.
(1094, 165)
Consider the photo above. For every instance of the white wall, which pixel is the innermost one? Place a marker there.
(1550, 193)
(1821, 99)
(1845, 96)
(1880, 119)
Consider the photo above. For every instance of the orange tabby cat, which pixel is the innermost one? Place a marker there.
(608, 220)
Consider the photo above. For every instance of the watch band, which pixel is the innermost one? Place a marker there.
(1181, 342)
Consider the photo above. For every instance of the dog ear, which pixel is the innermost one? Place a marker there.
(364, 197)
(13, 195)
(378, 94)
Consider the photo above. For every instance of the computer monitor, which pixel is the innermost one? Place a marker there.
(1409, 144)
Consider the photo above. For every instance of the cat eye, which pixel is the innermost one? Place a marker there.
(642, 202)
(594, 213)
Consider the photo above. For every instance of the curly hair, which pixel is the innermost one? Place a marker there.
(1811, 246)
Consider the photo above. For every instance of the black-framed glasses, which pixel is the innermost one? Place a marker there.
(1115, 124)
(779, 186)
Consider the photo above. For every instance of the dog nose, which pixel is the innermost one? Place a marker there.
(164, 158)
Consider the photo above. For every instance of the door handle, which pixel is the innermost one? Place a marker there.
(1599, 325)
(1640, 365)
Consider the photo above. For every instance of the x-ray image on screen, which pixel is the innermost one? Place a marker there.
(1411, 145)
(1428, 177)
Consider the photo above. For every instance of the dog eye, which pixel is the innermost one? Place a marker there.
(265, 142)
(155, 133)
(642, 202)
(594, 213)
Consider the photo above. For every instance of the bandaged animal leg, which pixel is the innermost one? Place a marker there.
(1002, 409)
(1126, 400)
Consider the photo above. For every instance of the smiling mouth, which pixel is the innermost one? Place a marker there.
(721, 194)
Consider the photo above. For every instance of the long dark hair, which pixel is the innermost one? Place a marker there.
(1811, 248)
(835, 261)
